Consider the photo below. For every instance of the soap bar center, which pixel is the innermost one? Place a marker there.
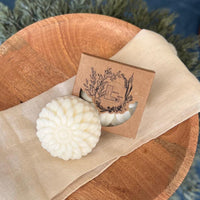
(63, 134)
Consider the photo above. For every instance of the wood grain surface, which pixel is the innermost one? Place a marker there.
(48, 52)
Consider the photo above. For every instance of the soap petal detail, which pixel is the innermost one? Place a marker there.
(111, 119)
(123, 117)
(86, 97)
(132, 107)
(106, 118)
(68, 127)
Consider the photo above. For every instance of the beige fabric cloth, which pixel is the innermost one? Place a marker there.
(27, 171)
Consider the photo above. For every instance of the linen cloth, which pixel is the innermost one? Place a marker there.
(27, 171)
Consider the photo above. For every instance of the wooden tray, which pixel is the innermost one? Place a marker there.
(48, 52)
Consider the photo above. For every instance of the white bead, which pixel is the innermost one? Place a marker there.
(68, 127)
(85, 96)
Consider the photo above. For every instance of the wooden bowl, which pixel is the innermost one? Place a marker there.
(48, 52)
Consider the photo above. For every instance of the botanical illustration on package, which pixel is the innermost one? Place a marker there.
(111, 91)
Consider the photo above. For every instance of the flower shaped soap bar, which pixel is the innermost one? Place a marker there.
(68, 127)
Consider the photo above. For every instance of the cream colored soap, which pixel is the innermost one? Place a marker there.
(112, 119)
(68, 127)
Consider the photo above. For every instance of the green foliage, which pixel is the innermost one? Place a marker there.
(8, 23)
(136, 12)
(187, 49)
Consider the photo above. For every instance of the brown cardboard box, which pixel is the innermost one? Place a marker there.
(112, 87)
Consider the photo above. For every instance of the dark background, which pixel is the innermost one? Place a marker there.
(188, 22)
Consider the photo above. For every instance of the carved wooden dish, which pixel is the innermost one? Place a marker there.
(48, 52)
